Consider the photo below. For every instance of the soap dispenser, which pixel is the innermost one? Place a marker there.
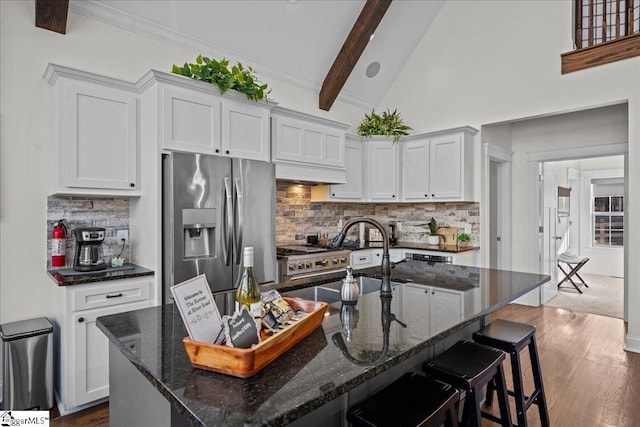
(350, 289)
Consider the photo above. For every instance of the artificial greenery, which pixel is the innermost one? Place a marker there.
(464, 237)
(388, 124)
(218, 73)
(433, 227)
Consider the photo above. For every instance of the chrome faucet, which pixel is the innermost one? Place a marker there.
(385, 285)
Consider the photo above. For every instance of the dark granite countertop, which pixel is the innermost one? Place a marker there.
(422, 247)
(329, 362)
(67, 276)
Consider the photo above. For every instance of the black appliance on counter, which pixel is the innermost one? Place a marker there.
(89, 255)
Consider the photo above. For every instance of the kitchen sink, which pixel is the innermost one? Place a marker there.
(330, 292)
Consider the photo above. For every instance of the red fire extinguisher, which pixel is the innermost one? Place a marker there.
(58, 244)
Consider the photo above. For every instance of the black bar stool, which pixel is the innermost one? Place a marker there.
(469, 366)
(513, 337)
(410, 401)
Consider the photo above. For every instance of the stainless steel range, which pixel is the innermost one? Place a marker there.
(300, 262)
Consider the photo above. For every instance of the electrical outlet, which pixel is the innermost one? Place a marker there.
(122, 235)
(300, 236)
(467, 228)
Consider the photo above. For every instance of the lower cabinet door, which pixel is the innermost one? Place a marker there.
(91, 352)
(446, 309)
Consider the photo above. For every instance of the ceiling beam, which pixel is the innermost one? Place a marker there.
(353, 46)
(52, 15)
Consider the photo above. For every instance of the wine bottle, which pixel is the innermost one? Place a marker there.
(248, 292)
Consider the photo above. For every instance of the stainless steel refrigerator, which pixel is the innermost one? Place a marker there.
(212, 208)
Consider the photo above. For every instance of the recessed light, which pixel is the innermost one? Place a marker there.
(372, 69)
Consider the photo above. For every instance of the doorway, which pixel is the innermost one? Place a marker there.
(592, 228)
(497, 213)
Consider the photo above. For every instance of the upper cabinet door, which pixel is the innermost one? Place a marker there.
(190, 121)
(445, 166)
(415, 169)
(383, 169)
(98, 140)
(245, 130)
(353, 189)
(300, 141)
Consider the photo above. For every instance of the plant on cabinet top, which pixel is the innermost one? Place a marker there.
(216, 72)
(386, 124)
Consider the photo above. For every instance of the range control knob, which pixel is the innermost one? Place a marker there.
(308, 264)
(292, 267)
(300, 266)
(335, 260)
(343, 259)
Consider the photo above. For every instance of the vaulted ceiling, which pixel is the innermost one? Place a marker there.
(295, 41)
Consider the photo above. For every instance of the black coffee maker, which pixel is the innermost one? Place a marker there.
(89, 254)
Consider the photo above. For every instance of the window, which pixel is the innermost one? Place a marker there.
(598, 21)
(605, 31)
(608, 213)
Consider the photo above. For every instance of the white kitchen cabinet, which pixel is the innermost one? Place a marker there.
(364, 258)
(306, 147)
(438, 166)
(353, 190)
(361, 258)
(382, 170)
(95, 145)
(83, 364)
(446, 308)
(415, 299)
(196, 119)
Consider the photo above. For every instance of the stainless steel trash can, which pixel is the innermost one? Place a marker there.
(27, 364)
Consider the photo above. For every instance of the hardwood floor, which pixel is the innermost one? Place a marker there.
(589, 379)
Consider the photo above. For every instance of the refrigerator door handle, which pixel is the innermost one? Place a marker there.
(238, 227)
(228, 208)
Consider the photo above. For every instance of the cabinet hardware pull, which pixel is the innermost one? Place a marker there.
(226, 152)
(362, 259)
(217, 150)
(81, 319)
(132, 185)
(115, 296)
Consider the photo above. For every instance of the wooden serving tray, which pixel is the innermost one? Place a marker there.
(245, 362)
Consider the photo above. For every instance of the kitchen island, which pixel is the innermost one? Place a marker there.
(353, 354)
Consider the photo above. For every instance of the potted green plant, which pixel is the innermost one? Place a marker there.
(218, 73)
(434, 237)
(463, 240)
(386, 124)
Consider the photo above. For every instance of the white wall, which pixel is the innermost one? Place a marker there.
(25, 122)
(493, 62)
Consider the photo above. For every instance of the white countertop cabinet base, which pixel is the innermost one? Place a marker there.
(82, 366)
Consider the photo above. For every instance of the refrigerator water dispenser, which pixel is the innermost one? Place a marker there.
(199, 231)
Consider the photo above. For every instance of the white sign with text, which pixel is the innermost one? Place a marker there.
(198, 310)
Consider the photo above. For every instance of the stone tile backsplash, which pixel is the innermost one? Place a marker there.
(297, 215)
(109, 213)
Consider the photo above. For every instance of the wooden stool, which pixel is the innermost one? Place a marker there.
(575, 264)
(412, 400)
(470, 366)
(513, 337)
